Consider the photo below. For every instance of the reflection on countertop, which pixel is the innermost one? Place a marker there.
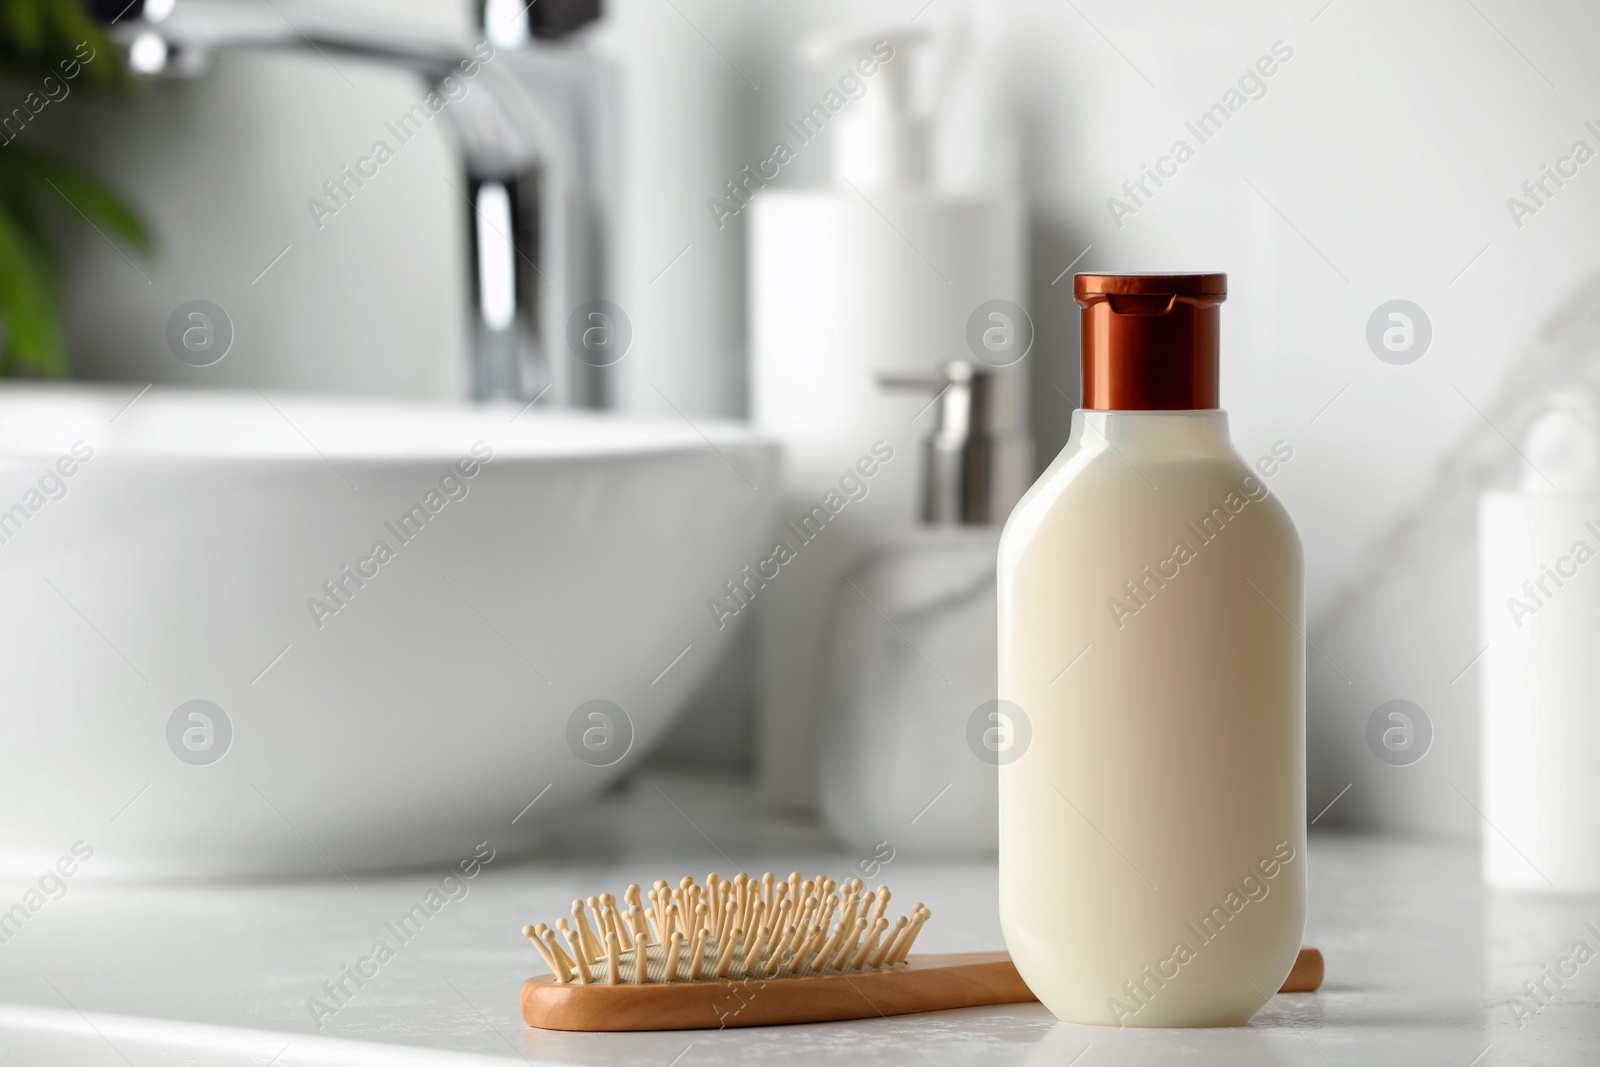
(1423, 966)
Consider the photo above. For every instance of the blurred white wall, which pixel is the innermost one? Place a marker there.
(685, 109)
(1375, 165)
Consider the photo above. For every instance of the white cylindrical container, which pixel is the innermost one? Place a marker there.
(1152, 668)
(881, 273)
(1540, 601)
(1539, 597)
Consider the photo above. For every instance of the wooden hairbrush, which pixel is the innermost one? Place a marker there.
(758, 952)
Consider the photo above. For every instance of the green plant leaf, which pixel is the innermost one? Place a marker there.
(41, 38)
(87, 197)
(24, 22)
(33, 332)
(36, 36)
(17, 201)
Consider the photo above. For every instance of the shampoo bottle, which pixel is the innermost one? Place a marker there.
(1151, 664)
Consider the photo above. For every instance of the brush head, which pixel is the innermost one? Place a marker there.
(727, 931)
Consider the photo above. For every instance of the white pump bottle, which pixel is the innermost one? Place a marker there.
(880, 273)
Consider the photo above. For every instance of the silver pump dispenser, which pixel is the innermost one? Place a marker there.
(963, 483)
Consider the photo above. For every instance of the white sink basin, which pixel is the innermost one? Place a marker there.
(402, 723)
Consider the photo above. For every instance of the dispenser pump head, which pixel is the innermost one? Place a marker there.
(959, 457)
(878, 142)
(1150, 341)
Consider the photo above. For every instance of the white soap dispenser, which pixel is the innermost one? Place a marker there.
(910, 674)
(878, 142)
(881, 271)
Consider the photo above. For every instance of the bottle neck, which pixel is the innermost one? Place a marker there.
(1154, 435)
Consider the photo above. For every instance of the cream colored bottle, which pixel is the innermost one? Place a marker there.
(1152, 686)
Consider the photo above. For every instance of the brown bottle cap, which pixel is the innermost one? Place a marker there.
(1150, 340)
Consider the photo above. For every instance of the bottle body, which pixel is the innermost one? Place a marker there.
(1152, 832)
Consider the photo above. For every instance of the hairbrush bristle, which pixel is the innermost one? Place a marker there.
(730, 929)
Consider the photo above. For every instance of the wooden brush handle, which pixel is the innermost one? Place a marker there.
(925, 983)
(1306, 975)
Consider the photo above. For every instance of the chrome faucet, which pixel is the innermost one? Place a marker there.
(535, 145)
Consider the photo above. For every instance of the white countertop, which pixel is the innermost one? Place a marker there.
(1421, 963)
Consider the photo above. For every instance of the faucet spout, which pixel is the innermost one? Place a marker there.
(529, 138)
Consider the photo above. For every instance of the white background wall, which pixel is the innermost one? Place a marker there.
(1377, 166)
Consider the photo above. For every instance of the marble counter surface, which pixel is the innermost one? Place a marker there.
(1423, 966)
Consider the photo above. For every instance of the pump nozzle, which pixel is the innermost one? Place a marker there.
(878, 143)
(960, 454)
